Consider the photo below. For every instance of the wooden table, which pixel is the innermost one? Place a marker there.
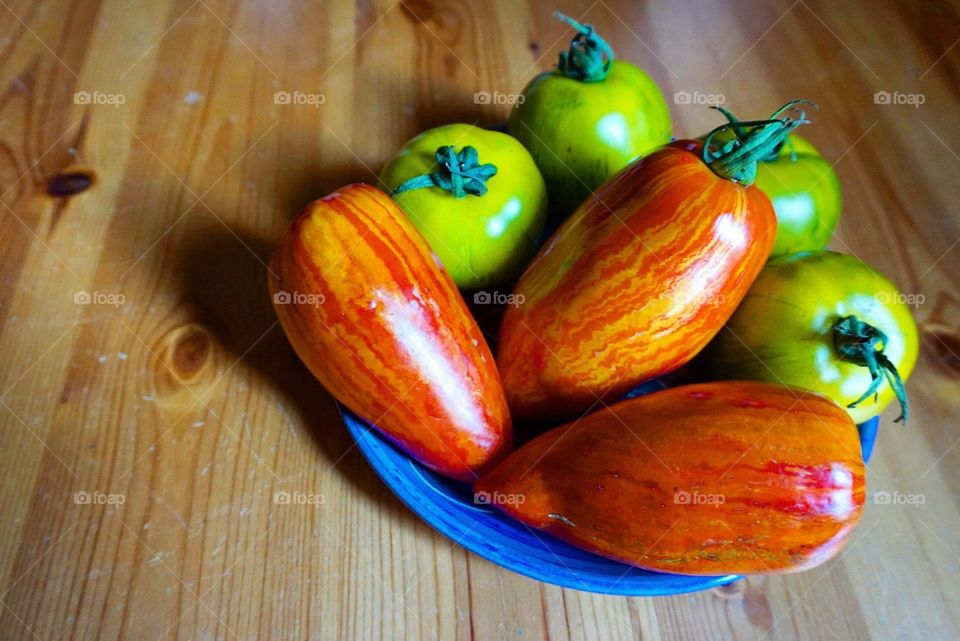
(151, 406)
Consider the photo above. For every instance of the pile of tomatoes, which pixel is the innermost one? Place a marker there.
(703, 260)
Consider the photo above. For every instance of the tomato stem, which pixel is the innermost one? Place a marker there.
(754, 141)
(589, 57)
(863, 344)
(459, 173)
(740, 132)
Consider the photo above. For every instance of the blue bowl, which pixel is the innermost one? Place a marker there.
(449, 507)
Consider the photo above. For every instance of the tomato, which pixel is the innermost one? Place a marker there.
(385, 330)
(586, 120)
(805, 192)
(790, 329)
(482, 212)
(715, 478)
(638, 280)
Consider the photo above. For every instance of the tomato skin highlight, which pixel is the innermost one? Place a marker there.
(709, 479)
(782, 330)
(385, 330)
(582, 133)
(805, 192)
(482, 241)
(633, 285)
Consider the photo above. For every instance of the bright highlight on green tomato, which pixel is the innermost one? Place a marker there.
(805, 193)
(485, 236)
(789, 329)
(803, 187)
(588, 119)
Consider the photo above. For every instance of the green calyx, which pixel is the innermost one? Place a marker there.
(458, 173)
(740, 132)
(589, 57)
(753, 141)
(862, 344)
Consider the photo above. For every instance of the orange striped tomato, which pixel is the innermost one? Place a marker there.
(715, 478)
(382, 326)
(633, 285)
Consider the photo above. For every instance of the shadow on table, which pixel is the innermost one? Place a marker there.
(224, 278)
(310, 174)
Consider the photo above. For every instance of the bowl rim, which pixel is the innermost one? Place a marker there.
(382, 456)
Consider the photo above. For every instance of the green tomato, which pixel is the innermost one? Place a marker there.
(481, 240)
(784, 330)
(805, 193)
(582, 133)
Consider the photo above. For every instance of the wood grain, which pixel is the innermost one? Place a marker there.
(175, 389)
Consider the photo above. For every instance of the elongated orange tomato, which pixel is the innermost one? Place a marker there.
(640, 278)
(382, 326)
(715, 478)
